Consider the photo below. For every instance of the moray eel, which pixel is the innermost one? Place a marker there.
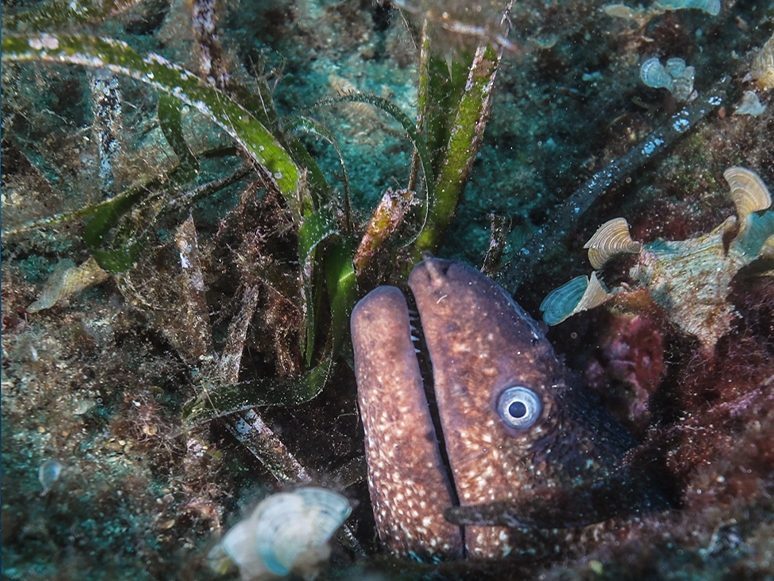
(524, 448)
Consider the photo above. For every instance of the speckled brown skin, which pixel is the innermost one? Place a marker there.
(480, 343)
(406, 476)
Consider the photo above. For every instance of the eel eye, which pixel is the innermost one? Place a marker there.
(519, 407)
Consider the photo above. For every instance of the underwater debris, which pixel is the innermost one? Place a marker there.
(286, 533)
(762, 68)
(463, 22)
(674, 77)
(711, 7)
(211, 57)
(690, 278)
(385, 220)
(750, 105)
(48, 473)
(193, 291)
(66, 280)
(639, 15)
(107, 115)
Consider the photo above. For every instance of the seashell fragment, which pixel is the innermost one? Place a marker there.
(762, 68)
(610, 239)
(750, 105)
(709, 6)
(287, 532)
(66, 280)
(748, 192)
(655, 75)
(580, 294)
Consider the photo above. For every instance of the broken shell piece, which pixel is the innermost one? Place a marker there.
(709, 6)
(610, 239)
(748, 192)
(287, 532)
(762, 68)
(66, 280)
(580, 294)
(750, 105)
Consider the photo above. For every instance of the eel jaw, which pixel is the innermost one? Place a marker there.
(407, 477)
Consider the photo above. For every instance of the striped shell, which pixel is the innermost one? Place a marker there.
(762, 69)
(287, 532)
(709, 6)
(610, 239)
(748, 192)
(655, 75)
(675, 67)
(579, 294)
(683, 82)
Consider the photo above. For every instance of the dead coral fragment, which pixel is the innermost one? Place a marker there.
(690, 278)
(67, 280)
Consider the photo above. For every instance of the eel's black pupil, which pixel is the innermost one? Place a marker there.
(517, 409)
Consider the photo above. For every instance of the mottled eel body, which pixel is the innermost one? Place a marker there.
(519, 440)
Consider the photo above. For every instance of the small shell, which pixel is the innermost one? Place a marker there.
(750, 105)
(748, 192)
(675, 67)
(762, 69)
(709, 6)
(580, 294)
(655, 75)
(683, 83)
(287, 532)
(610, 239)
(48, 473)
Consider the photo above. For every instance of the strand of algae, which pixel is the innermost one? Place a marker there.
(257, 141)
(562, 219)
(460, 133)
(61, 13)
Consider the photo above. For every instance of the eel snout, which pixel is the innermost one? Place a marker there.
(407, 482)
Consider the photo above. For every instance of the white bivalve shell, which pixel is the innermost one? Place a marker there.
(287, 532)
